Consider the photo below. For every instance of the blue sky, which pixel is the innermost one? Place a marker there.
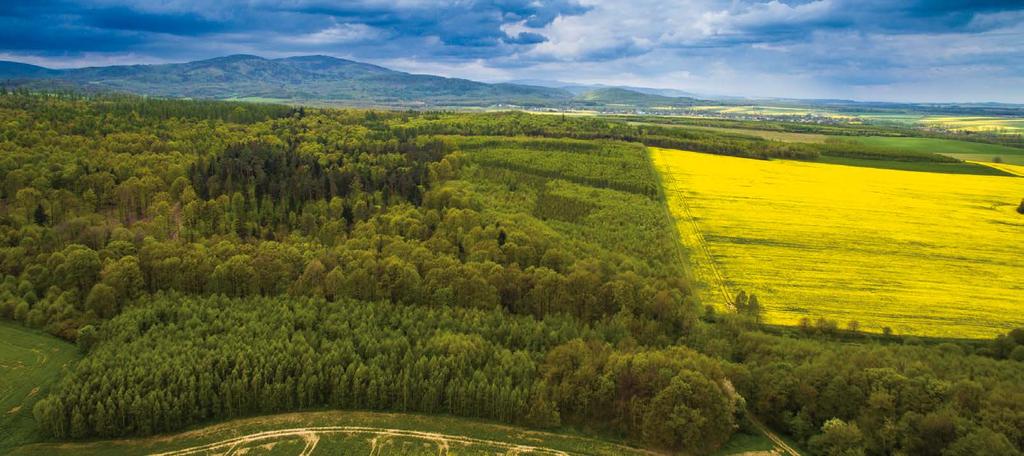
(954, 50)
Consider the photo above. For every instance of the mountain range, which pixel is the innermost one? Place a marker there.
(315, 78)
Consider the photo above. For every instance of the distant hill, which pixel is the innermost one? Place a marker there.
(620, 96)
(579, 89)
(307, 78)
(12, 70)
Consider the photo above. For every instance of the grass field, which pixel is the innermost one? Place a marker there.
(963, 150)
(348, 433)
(923, 253)
(974, 167)
(30, 362)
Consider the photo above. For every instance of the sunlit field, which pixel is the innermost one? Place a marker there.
(769, 111)
(921, 253)
(1008, 125)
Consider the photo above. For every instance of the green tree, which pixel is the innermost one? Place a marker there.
(838, 438)
(692, 414)
(102, 300)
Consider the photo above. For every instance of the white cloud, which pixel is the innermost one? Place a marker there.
(338, 34)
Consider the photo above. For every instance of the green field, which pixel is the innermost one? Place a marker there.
(963, 150)
(30, 362)
(787, 136)
(349, 433)
(928, 167)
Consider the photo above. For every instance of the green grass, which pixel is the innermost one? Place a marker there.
(741, 442)
(950, 147)
(30, 363)
(460, 436)
(1011, 159)
(930, 167)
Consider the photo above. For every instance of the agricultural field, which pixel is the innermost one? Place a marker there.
(348, 433)
(1006, 125)
(963, 150)
(921, 253)
(30, 363)
(815, 138)
(779, 111)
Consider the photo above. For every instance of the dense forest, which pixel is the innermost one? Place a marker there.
(520, 268)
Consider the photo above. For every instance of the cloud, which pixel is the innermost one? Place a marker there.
(805, 48)
(338, 34)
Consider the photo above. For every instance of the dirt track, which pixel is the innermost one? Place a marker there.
(312, 435)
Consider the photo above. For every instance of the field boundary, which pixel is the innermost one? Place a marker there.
(1009, 169)
(716, 275)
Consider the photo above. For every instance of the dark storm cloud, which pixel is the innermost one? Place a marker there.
(835, 44)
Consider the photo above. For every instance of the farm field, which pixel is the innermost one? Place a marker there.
(30, 363)
(769, 110)
(816, 138)
(963, 150)
(972, 167)
(1007, 125)
(1016, 170)
(349, 433)
(922, 253)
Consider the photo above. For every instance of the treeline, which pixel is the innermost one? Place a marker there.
(554, 126)
(194, 359)
(882, 398)
(770, 125)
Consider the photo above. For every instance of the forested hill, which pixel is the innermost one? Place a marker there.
(305, 78)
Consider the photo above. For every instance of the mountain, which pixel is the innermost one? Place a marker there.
(315, 78)
(13, 70)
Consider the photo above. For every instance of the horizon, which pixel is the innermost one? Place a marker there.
(916, 52)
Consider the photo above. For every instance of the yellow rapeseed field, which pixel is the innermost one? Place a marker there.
(922, 253)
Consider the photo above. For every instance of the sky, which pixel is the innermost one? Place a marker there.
(884, 50)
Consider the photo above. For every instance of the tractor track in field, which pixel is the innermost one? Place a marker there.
(716, 271)
(311, 435)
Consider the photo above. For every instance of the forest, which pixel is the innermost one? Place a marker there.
(514, 267)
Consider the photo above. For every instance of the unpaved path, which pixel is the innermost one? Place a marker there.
(312, 436)
(772, 436)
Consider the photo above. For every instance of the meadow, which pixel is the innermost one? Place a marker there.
(920, 253)
(963, 150)
(30, 362)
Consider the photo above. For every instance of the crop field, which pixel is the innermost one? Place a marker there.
(1007, 125)
(348, 433)
(764, 134)
(1016, 170)
(963, 150)
(769, 111)
(922, 253)
(30, 363)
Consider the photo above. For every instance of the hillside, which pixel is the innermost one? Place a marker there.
(305, 78)
(621, 96)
